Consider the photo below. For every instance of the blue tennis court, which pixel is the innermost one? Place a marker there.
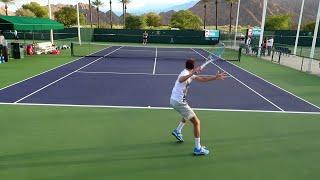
(140, 77)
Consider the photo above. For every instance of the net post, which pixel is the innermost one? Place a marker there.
(302, 63)
(280, 53)
(71, 46)
(239, 54)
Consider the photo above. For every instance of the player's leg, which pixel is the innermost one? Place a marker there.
(178, 131)
(196, 127)
(181, 109)
(198, 150)
(181, 125)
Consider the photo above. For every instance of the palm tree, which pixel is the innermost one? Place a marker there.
(6, 2)
(231, 2)
(98, 3)
(124, 9)
(90, 13)
(205, 12)
(110, 14)
(216, 14)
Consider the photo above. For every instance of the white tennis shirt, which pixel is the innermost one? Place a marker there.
(180, 90)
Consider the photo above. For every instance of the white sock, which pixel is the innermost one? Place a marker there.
(180, 126)
(197, 143)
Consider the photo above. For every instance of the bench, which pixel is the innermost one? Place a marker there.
(44, 48)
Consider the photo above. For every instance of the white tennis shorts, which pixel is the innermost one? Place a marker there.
(183, 109)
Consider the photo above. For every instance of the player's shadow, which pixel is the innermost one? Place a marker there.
(102, 155)
(250, 148)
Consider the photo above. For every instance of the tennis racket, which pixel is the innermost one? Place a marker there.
(209, 60)
(214, 55)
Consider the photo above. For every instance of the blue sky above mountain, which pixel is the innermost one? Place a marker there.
(136, 6)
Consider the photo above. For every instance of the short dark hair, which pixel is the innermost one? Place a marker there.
(190, 64)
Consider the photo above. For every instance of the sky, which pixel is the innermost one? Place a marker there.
(135, 5)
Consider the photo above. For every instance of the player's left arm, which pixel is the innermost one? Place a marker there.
(218, 76)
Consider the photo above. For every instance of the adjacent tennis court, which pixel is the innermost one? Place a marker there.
(142, 77)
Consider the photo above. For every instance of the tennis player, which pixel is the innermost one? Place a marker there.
(179, 103)
(145, 38)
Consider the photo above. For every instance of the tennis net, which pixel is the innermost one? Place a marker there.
(150, 52)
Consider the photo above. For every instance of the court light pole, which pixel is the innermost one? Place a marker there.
(298, 30)
(237, 23)
(50, 17)
(314, 41)
(263, 22)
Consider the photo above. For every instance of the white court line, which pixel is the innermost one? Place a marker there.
(242, 83)
(125, 73)
(51, 69)
(270, 83)
(155, 62)
(136, 50)
(129, 73)
(66, 76)
(159, 108)
(276, 86)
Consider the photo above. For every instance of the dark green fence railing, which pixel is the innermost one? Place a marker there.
(119, 35)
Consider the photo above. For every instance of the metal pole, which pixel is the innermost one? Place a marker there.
(298, 30)
(264, 13)
(237, 23)
(50, 16)
(314, 41)
(78, 20)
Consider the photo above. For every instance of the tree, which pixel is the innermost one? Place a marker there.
(97, 3)
(124, 10)
(205, 2)
(309, 26)
(135, 22)
(185, 19)
(153, 19)
(231, 2)
(38, 10)
(68, 16)
(6, 2)
(279, 22)
(25, 12)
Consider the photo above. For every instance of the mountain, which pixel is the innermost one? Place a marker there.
(166, 16)
(250, 11)
(180, 7)
(163, 8)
